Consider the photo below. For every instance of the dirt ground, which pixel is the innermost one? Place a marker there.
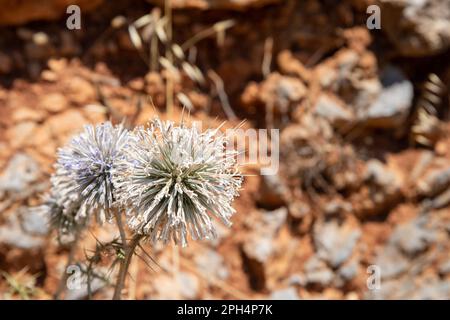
(363, 115)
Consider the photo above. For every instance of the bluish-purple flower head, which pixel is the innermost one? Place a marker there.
(82, 183)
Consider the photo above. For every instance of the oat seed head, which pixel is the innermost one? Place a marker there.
(174, 179)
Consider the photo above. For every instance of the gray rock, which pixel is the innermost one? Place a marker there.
(297, 280)
(427, 288)
(434, 182)
(349, 271)
(317, 272)
(379, 174)
(384, 187)
(274, 220)
(285, 294)
(188, 284)
(334, 110)
(82, 292)
(432, 289)
(412, 237)
(12, 234)
(392, 106)
(212, 265)
(417, 27)
(391, 262)
(19, 174)
(35, 221)
(335, 242)
(258, 248)
(337, 206)
(392, 289)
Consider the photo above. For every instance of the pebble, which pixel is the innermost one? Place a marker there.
(188, 284)
(392, 106)
(12, 234)
(211, 264)
(18, 176)
(412, 237)
(335, 243)
(53, 102)
(285, 294)
(317, 272)
(35, 221)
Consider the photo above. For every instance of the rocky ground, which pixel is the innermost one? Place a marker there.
(364, 148)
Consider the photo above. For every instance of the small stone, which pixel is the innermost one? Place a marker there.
(188, 284)
(258, 248)
(136, 84)
(49, 76)
(118, 22)
(40, 46)
(35, 222)
(82, 293)
(336, 207)
(274, 220)
(335, 242)
(394, 102)
(212, 265)
(297, 280)
(40, 38)
(12, 235)
(64, 123)
(285, 294)
(81, 91)
(391, 262)
(379, 174)
(317, 272)
(20, 133)
(417, 28)
(434, 182)
(25, 114)
(333, 110)
(349, 271)
(412, 237)
(57, 65)
(42, 141)
(20, 173)
(53, 102)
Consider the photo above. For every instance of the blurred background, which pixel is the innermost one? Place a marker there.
(359, 208)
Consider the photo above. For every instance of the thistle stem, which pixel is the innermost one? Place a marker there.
(129, 251)
(123, 239)
(123, 235)
(62, 281)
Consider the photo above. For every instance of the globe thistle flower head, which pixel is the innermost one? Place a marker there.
(174, 179)
(59, 219)
(82, 181)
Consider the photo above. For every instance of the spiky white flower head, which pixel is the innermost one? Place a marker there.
(82, 182)
(174, 179)
(59, 218)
